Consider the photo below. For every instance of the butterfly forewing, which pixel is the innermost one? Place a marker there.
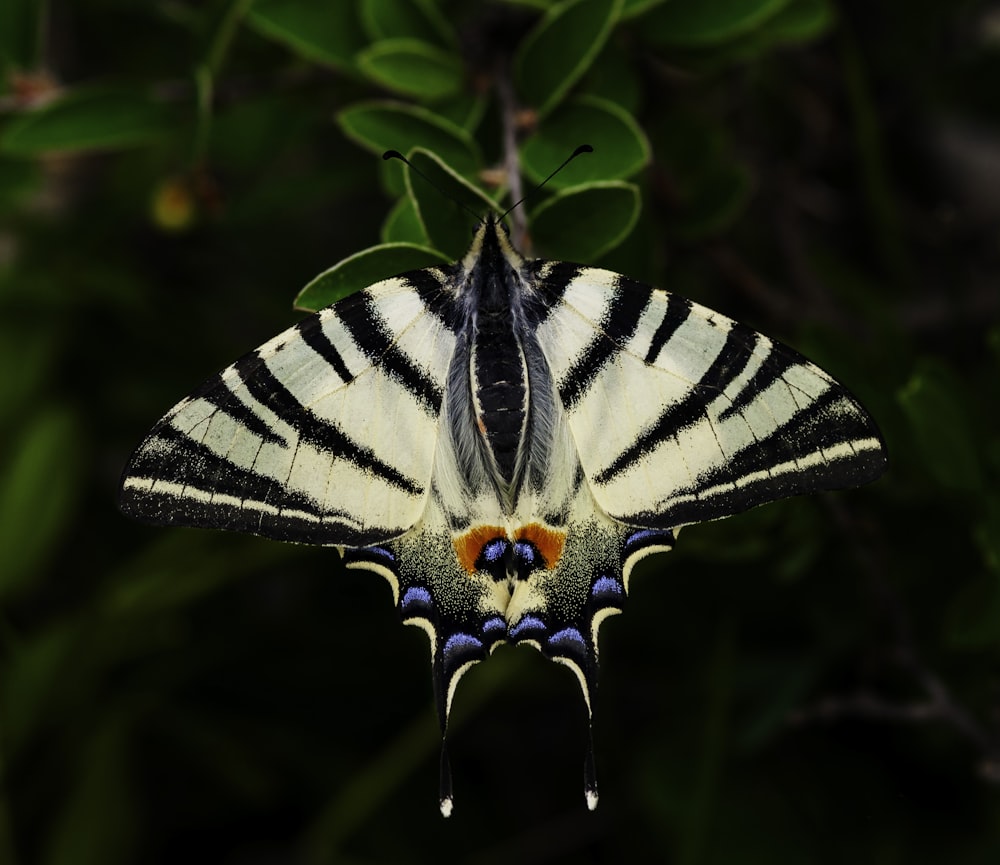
(682, 415)
(324, 435)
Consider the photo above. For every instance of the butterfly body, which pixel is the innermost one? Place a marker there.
(502, 440)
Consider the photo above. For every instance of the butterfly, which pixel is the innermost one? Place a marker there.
(502, 440)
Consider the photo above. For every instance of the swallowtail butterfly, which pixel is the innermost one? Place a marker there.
(502, 439)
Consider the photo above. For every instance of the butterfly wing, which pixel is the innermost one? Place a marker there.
(324, 435)
(680, 414)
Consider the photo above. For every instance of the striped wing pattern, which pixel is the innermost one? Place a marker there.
(681, 415)
(378, 426)
(324, 435)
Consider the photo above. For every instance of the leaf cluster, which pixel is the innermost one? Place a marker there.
(812, 681)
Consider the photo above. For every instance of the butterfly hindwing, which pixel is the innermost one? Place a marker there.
(682, 415)
(461, 609)
(325, 434)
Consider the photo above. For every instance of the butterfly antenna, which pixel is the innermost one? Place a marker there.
(395, 154)
(583, 148)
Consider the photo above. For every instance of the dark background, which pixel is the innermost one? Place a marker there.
(813, 681)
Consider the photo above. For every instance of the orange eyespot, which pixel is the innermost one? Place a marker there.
(548, 542)
(470, 544)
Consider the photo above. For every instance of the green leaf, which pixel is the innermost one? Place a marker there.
(406, 19)
(412, 68)
(615, 76)
(561, 48)
(39, 483)
(380, 126)
(363, 269)
(87, 119)
(941, 428)
(583, 223)
(634, 8)
(620, 146)
(443, 201)
(403, 224)
(323, 32)
(465, 110)
(707, 22)
(800, 21)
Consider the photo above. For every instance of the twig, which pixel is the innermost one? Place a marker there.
(207, 71)
(511, 160)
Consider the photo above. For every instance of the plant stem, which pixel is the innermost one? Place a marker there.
(207, 71)
(511, 159)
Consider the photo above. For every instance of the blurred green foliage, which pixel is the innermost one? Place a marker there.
(814, 681)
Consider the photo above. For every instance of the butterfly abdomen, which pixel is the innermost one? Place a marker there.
(500, 391)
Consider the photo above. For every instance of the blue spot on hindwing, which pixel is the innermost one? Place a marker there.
(495, 550)
(527, 553)
(527, 623)
(607, 589)
(568, 638)
(459, 647)
(494, 558)
(416, 598)
(461, 641)
(494, 627)
(648, 537)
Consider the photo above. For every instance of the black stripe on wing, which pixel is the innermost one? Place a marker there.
(731, 360)
(833, 419)
(772, 370)
(361, 318)
(313, 335)
(171, 457)
(216, 392)
(678, 310)
(612, 332)
(430, 285)
(323, 434)
(549, 281)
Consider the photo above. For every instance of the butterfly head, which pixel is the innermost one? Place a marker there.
(492, 244)
(492, 261)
